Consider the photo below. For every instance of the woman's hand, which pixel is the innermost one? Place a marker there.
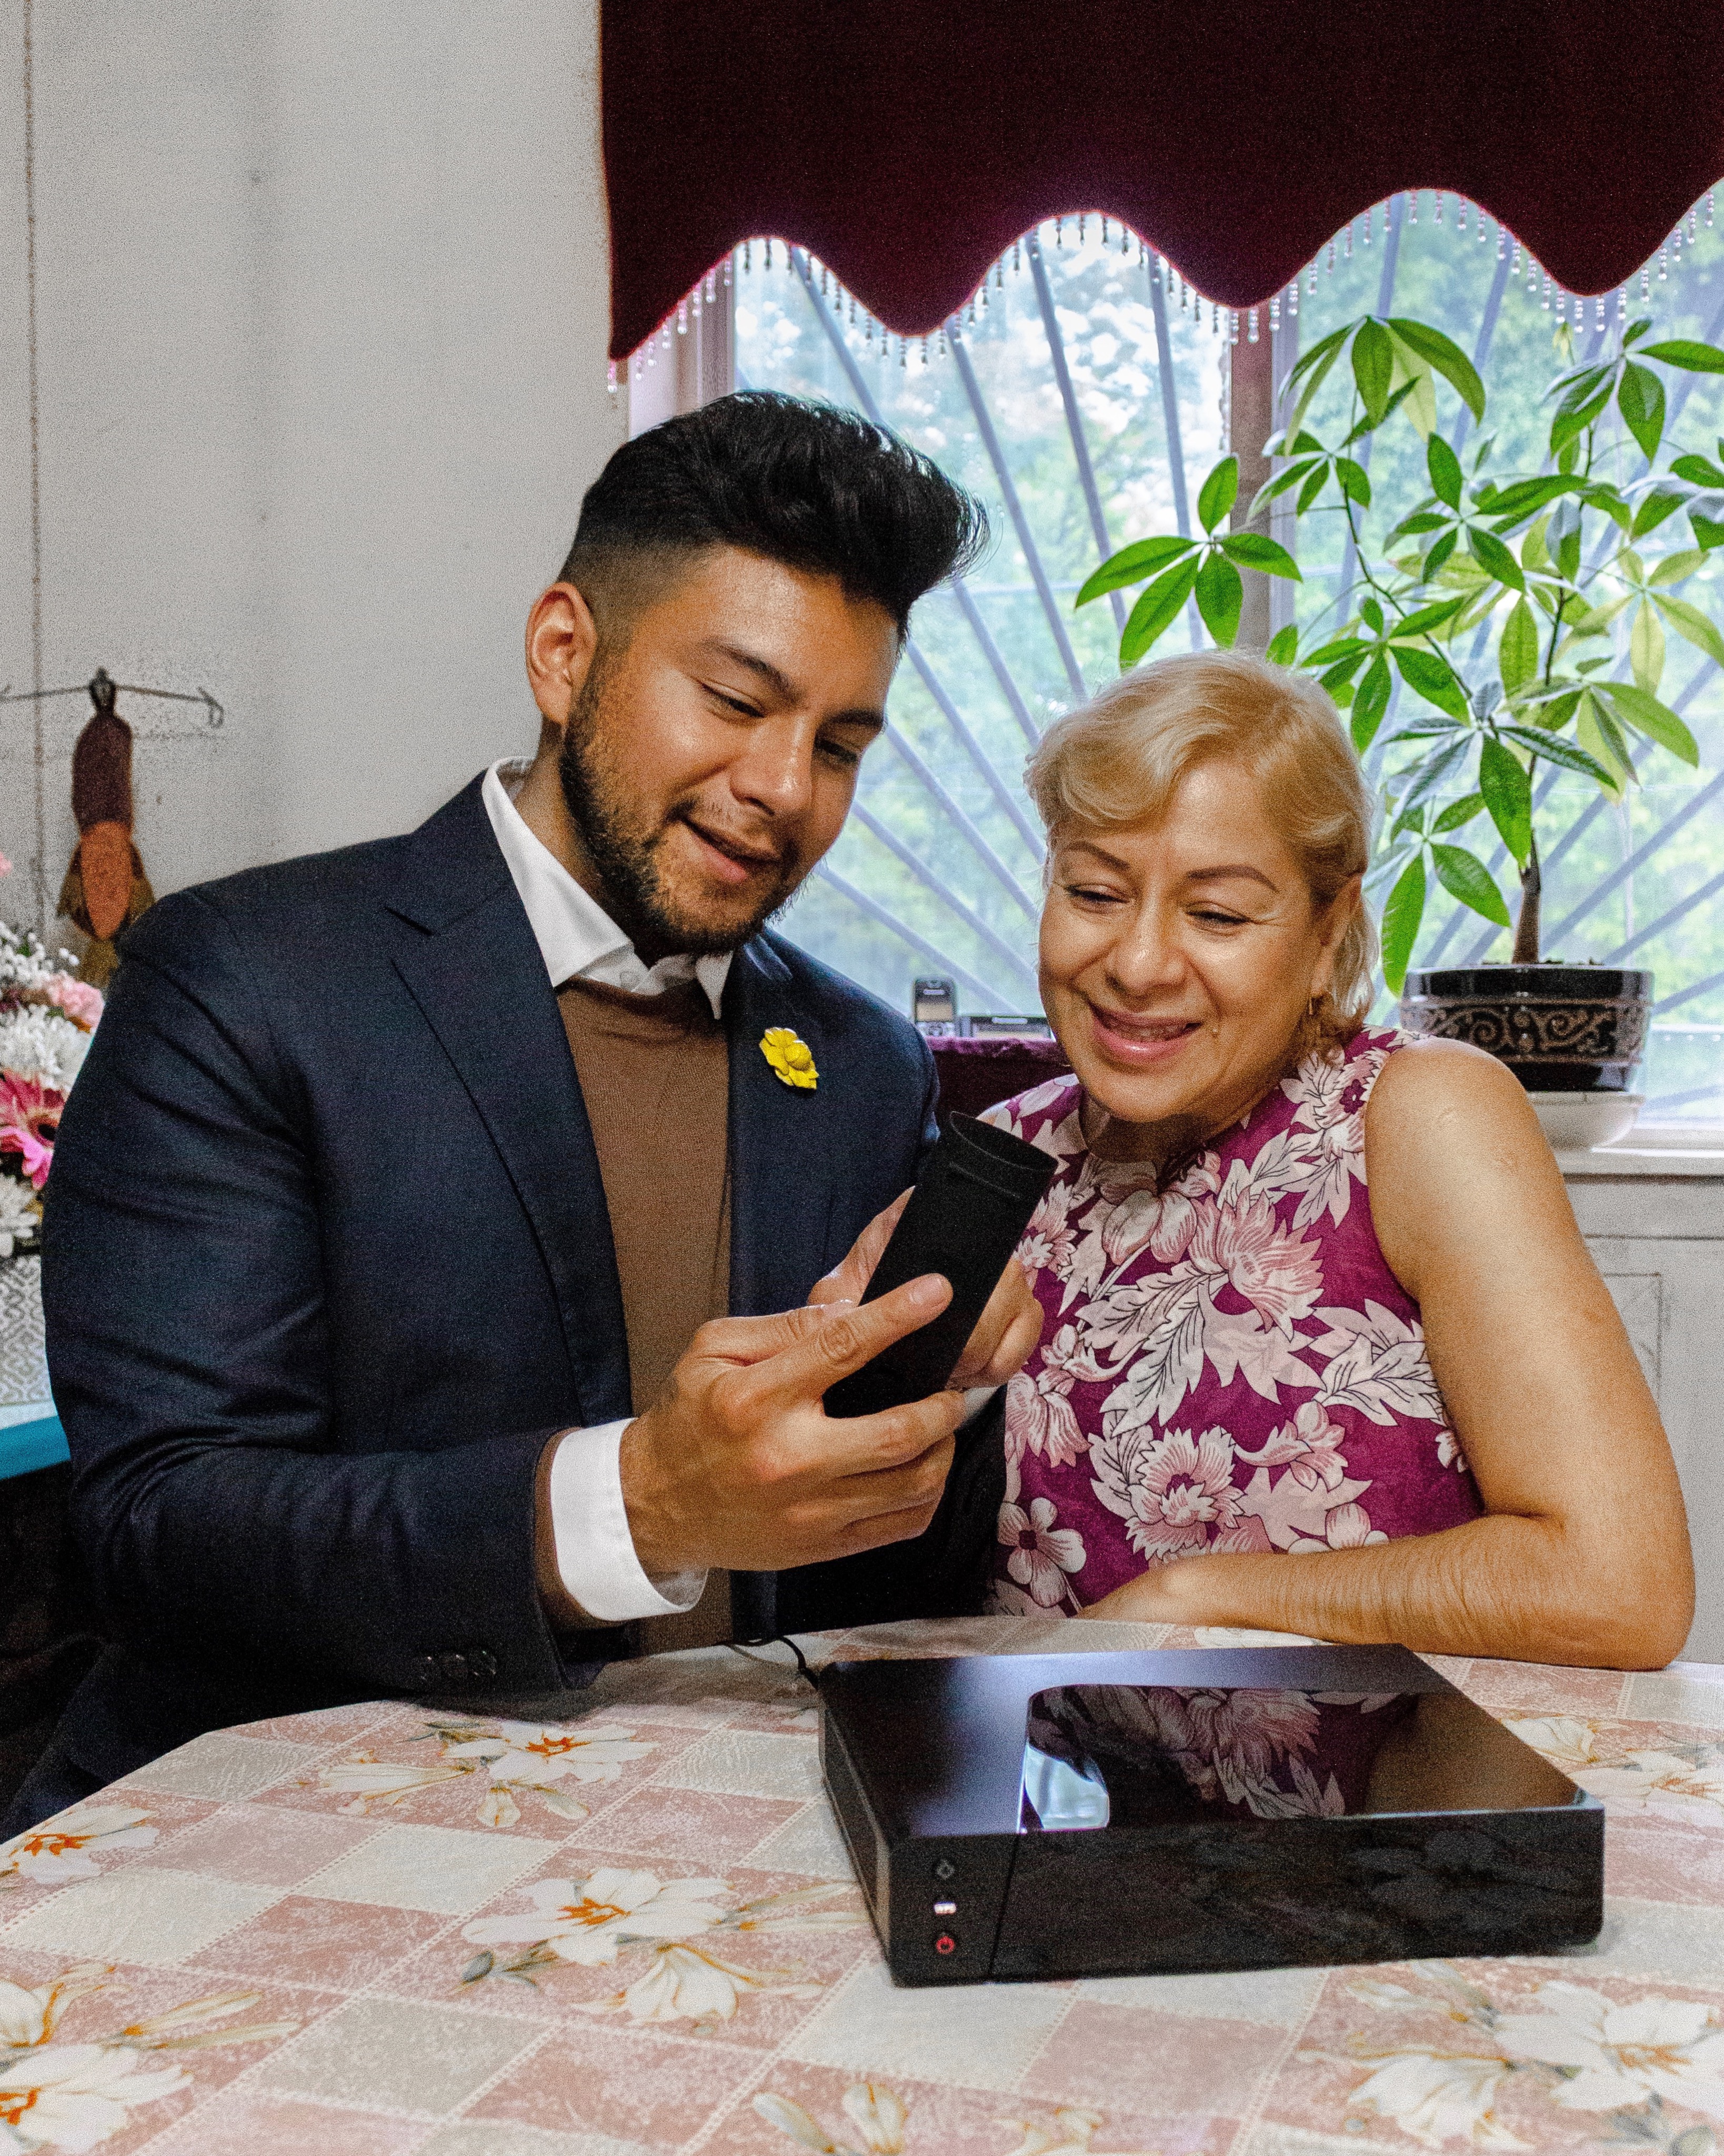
(1006, 1332)
(1582, 1556)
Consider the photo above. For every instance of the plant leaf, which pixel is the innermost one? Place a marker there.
(1402, 916)
(1218, 493)
(1156, 608)
(1652, 512)
(1495, 559)
(1656, 720)
(1508, 795)
(1283, 648)
(1313, 486)
(1281, 482)
(1640, 399)
(1425, 619)
(1646, 648)
(1686, 352)
(1459, 813)
(1221, 594)
(1674, 567)
(1373, 368)
(1464, 876)
(1131, 565)
(1432, 773)
(1370, 702)
(1699, 628)
(1440, 550)
(1433, 678)
(1446, 356)
(1556, 750)
(1355, 482)
(1517, 655)
(1699, 471)
(1251, 550)
(1590, 736)
(1444, 468)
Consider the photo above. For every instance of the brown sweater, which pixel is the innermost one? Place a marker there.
(655, 1077)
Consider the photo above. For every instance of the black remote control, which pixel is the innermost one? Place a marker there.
(971, 1203)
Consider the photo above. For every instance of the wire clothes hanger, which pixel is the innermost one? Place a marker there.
(214, 713)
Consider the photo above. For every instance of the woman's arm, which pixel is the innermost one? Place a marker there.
(1582, 1556)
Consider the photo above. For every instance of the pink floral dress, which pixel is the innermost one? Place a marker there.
(1226, 1364)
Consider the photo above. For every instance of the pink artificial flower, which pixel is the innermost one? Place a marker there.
(80, 1000)
(29, 1119)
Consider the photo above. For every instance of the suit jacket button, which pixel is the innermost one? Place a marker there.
(455, 1669)
(482, 1661)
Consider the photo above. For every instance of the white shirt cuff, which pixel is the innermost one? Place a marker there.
(589, 1533)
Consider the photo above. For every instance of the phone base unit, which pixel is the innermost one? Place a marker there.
(1067, 1815)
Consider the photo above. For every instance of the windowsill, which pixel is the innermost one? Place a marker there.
(1653, 1150)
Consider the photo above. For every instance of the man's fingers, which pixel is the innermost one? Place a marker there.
(830, 1343)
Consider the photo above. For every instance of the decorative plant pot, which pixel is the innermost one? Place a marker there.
(1559, 1028)
(23, 1340)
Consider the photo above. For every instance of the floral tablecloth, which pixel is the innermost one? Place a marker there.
(385, 1929)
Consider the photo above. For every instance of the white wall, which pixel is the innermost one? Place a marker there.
(321, 313)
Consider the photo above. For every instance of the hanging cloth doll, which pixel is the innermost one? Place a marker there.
(105, 888)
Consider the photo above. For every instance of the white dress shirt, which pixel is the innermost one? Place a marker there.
(578, 941)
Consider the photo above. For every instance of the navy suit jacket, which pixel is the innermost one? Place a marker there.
(327, 1261)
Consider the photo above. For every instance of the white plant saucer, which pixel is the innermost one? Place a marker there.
(1579, 1122)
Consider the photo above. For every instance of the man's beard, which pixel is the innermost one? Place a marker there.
(625, 854)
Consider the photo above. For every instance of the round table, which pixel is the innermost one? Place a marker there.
(383, 1929)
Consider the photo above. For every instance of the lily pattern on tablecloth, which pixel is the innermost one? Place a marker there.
(635, 1926)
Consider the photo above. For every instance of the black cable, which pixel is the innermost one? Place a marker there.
(779, 1639)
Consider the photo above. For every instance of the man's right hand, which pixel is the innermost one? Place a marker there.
(737, 1463)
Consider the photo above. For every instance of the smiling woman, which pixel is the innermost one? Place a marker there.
(1316, 1311)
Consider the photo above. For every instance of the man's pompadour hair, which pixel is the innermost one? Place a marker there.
(819, 489)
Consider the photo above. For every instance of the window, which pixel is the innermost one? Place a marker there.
(1084, 399)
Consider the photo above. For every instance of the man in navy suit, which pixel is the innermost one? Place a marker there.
(392, 1171)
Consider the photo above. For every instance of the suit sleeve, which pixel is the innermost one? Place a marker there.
(218, 1508)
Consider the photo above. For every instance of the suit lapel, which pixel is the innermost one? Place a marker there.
(781, 1144)
(475, 970)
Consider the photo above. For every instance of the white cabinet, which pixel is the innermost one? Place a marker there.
(1654, 1222)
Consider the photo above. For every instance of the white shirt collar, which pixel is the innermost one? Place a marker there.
(577, 937)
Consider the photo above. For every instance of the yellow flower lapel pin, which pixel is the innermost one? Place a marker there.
(792, 1059)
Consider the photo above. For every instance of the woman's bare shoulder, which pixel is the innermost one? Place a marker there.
(1454, 1155)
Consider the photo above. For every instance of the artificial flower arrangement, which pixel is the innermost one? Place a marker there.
(47, 1017)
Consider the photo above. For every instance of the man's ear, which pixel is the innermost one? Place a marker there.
(562, 639)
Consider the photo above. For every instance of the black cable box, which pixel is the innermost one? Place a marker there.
(1067, 1815)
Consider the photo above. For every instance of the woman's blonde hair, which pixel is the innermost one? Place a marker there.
(1113, 764)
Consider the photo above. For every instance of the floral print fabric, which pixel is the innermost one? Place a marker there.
(1225, 1364)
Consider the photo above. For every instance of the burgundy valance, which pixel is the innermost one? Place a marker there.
(908, 143)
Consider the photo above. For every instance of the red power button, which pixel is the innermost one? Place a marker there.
(945, 1944)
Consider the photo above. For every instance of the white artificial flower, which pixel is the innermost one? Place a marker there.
(73, 2096)
(586, 1920)
(1672, 2048)
(41, 1042)
(20, 1213)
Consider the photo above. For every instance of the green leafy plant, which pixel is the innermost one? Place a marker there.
(1524, 616)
